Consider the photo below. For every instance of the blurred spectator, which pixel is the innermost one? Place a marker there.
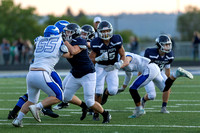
(5, 47)
(195, 44)
(96, 22)
(134, 45)
(14, 52)
(27, 52)
(19, 46)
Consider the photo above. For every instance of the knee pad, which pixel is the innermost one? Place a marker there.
(168, 84)
(89, 102)
(24, 97)
(135, 95)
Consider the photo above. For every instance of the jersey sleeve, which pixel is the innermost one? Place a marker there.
(146, 53)
(94, 45)
(82, 43)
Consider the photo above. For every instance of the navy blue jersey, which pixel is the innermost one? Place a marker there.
(81, 63)
(99, 48)
(153, 55)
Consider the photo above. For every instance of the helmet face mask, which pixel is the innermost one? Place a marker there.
(84, 35)
(164, 43)
(72, 31)
(87, 32)
(105, 30)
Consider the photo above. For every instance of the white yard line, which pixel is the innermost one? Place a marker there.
(105, 125)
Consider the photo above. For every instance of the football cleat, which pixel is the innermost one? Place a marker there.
(180, 72)
(107, 118)
(35, 112)
(120, 90)
(84, 113)
(49, 112)
(164, 110)
(17, 123)
(61, 105)
(104, 97)
(137, 113)
(96, 117)
(12, 115)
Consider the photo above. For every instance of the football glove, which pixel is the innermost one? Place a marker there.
(66, 38)
(118, 64)
(103, 57)
(109, 68)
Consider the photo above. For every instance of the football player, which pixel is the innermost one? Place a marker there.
(82, 73)
(105, 50)
(163, 57)
(22, 99)
(87, 32)
(149, 72)
(47, 53)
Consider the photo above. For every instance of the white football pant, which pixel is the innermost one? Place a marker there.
(110, 77)
(37, 80)
(72, 84)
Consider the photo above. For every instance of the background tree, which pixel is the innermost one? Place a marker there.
(17, 22)
(188, 22)
(125, 35)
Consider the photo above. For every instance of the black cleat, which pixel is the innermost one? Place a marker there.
(49, 112)
(96, 116)
(107, 118)
(104, 97)
(12, 115)
(84, 113)
(61, 106)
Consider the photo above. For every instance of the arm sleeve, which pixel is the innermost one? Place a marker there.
(127, 78)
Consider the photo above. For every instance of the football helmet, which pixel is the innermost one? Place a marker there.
(87, 32)
(164, 43)
(51, 30)
(71, 31)
(61, 24)
(105, 30)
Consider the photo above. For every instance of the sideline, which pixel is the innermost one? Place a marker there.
(63, 73)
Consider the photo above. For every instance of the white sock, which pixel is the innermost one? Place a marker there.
(20, 115)
(138, 107)
(174, 75)
(39, 105)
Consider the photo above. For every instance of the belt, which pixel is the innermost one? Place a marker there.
(37, 69)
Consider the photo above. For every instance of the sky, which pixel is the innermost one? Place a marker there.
(107, 7)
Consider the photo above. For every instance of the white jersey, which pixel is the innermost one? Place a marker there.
(138, 63)
(47, 52)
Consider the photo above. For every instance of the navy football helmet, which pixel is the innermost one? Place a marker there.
(164, 43)
(87, 32)
(71, 31)
(105, 30)
(61, 24)
(51, 30)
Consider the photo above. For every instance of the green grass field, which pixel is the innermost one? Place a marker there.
(184, 107)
